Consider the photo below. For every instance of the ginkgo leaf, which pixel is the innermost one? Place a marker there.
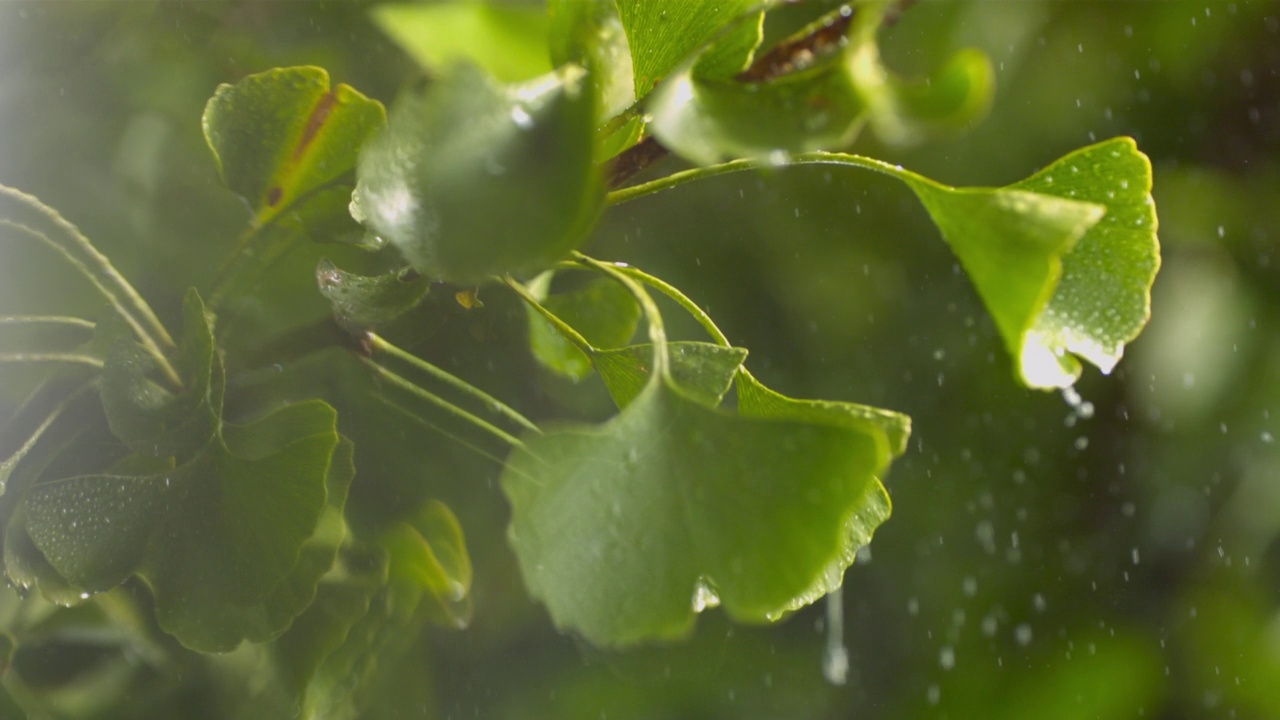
(232, 543)
(820, 105)
(508, 40)
(1064, 260)
(472, 178)
(602, 311)
(702, 370)
(281, 135)
(627, 529)
(143, 413)
(361, 302)
(663, 34)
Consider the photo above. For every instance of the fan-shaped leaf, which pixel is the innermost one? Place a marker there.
(281, 135)
(509, 41)
(361, 302)
(472, 178)
(627, 529)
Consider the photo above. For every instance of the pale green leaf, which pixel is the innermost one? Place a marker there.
(664, 34)
(509, 41)
(602, 311)
(702, 370)
(361, 302)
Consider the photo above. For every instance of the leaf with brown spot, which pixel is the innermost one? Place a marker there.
(280, 136)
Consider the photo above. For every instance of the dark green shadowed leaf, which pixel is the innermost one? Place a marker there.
(702, 370)
(1051, 295)
(280, 135)
(602, 311)
(626, 530)
(508, 40)
(472, 178)
(361, 302)
(146, 416)
(231, 543)
(663, 34)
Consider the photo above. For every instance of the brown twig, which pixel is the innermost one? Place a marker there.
(789, 56)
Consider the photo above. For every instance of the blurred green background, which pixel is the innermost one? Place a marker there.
(1038, 564)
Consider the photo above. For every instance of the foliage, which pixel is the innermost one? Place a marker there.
(194, 484)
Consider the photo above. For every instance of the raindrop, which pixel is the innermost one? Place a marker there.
(947, 657)
(835, 661)
(521, 118)
(1022, 634)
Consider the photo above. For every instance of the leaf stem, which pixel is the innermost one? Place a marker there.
(46, 319)
(617, 197)
(681, 299)
(75, 248)
(8, 464)
(380, 344)
(56, 357)
(432, 426)
(657, 331)
(563, 327)
(413, 389)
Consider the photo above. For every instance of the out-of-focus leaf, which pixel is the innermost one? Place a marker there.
(702, 370)
(143, 413)
(429, 559)
(590, 33)
(627, 529)
(1064, 260)
(281, 135)
(472, 178)
(508, 40)
(663, 34)
(821, 105)
(231, 543)
(602, 311)
(361, 302)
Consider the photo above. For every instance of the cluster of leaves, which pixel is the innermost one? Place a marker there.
(495, 170)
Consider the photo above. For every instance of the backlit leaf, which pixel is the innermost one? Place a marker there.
(663, 34)
(281, 135)
(1064, 260)
(509, 41)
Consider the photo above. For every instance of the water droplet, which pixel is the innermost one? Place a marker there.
(521, 118)
(947, 657)
(704, 597)
(1022, 634)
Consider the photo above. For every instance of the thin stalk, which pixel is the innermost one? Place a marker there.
(76, 249)
(409, 387)
(55, 357)
(46, 319)
(380, 344)
(681, 299)
(657, 331)
(8, 464)
(563, 327)
(432, 426)
(618, 197)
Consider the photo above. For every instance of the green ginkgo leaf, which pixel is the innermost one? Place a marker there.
(664, 34)
(628, 529)
(232, 543)
(281, 136)
(602, 311)
(1064, 261)
(472, 178)
(361, 302)
(147, 416)
(506, 39)
(702, 370)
